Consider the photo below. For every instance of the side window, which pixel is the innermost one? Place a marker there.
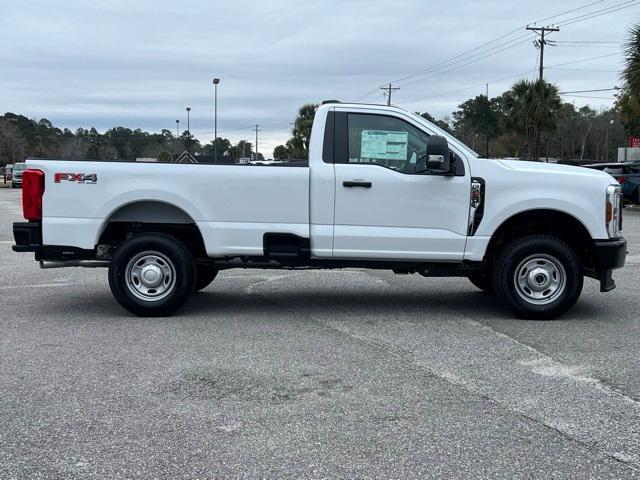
(386, 141)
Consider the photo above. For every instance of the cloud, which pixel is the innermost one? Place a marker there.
(140, 63)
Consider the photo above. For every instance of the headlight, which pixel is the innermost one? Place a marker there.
(613, 210)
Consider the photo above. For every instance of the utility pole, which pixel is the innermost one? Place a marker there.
(257, 130)
(542, 42)
(177, 129)
(388, 89)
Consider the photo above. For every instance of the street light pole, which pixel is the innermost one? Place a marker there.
(216, 81)
(188, 133)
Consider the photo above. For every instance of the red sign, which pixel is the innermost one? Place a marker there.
(634, 142)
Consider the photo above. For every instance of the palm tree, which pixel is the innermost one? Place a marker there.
(629, 99)
(531, 107)
(302, 126)
(631, 71)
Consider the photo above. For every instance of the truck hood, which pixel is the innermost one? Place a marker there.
(555, 169)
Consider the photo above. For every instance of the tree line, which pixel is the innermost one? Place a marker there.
(21, 137)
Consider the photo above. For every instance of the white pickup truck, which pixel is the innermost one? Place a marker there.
(383, 188)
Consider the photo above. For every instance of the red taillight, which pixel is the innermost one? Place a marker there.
(32, 192)
(621, 180)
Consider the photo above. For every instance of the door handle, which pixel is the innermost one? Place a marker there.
(354, 183)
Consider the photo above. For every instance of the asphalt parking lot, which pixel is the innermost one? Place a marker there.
(354, 374)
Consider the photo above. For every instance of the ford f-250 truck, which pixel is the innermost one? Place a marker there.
(383, 188)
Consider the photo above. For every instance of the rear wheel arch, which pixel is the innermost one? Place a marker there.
(147, 216)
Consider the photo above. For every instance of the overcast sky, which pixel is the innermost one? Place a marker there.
(139, 63)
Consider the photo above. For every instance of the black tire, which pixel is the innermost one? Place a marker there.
(538, 277)
(204, 276)
(166, 259)
(482, 280)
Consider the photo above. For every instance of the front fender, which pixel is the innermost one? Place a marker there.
(496, 217)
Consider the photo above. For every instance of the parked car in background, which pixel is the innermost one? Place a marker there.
(630, 182)
(16, 175)
(628, 176)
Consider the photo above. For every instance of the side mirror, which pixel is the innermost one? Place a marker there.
(438, 155)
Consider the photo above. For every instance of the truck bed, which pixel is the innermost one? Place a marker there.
(233, 205)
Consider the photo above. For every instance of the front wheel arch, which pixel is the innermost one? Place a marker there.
(554, 223)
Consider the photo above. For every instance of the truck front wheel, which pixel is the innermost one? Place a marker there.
(152, 275)
(538, 277)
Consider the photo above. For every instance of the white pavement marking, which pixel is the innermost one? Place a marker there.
(9, 287)
(633, 260)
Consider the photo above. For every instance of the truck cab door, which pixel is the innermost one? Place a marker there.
(386, 205)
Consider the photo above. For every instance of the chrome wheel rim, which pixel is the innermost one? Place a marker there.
(150, 276)
(540, 279)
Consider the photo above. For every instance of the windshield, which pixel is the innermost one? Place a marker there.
(450, 138)
(20, 166)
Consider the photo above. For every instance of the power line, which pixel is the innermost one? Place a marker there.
(598, 13)
(451, 60)
(467, 63)
(583, 60)
(443, 63)
(590, 96)
(462, 62)
(584, 70)
(500, 38)
(588, 91)
(469, 88)
(563, 45)
(583, 42)
(568, 11)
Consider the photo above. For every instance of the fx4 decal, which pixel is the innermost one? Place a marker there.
(75, 177)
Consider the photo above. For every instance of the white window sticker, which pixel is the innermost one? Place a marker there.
(384, 144)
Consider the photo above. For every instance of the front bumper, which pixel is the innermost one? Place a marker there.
(608, 255)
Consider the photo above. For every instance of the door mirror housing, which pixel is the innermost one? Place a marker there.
(438, 155)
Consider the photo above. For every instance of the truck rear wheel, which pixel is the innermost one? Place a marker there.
(152, 275)
(204, 276)
(538, 277)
